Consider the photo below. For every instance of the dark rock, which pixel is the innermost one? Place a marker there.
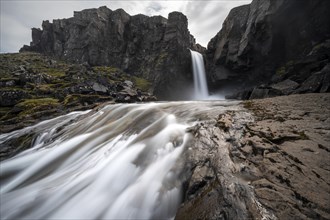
(8, 82)
(12, 97)
(35, 78)
(243, 95)
(326, 81)
(154, 48)
(259, 93)
(271, 41)
(319, 81)
(224, 47)
(285, 87)
(16, 145)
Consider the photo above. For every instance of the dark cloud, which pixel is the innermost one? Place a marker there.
(18, 17)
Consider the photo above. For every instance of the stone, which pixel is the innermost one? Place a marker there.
(99, 88)
(286, 87)
(11, 97)
(318, 81)
(326, 80)
(259, 93)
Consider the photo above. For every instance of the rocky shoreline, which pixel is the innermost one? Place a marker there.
(270, 160)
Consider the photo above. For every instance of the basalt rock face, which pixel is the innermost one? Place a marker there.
(270, 42)
(155, 48)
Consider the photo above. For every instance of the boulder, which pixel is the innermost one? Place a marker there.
(285, 87)
(12, 97)
(99, 88)
(318, 81)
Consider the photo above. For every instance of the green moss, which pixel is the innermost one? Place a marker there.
(318, 46)
(55, 72)
(290, 63)
(4, 111)
(280, 71)
(79, 99)
(15, 89)
(30, 106)
(5, 79)
(71, 99)
(142, 84)
(31, 103)
(161, 58)
(106, 69)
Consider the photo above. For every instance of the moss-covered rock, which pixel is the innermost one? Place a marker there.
(34, 86)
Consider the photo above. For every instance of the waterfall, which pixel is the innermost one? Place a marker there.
(200, 84)
(122, 161)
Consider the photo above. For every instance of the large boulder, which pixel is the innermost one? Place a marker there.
(154, 48)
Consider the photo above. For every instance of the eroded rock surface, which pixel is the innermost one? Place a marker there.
(269, 160)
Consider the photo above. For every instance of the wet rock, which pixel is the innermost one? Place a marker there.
(15, 146)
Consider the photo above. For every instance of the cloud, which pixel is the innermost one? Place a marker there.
(154, 7)
(205, 18)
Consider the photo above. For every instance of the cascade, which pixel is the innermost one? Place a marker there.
(200, 83)
(122, 161)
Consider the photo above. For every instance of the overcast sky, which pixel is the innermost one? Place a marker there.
(205, 17)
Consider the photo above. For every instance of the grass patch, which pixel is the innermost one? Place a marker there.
(142, 84)
(30, 106)
(106, 69)
(32, 103)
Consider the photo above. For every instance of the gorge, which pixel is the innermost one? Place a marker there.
(111, 116)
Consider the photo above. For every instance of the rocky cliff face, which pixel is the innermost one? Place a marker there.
(273, 41)
(155, 48)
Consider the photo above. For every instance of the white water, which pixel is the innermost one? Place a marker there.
(120, 162)
(200, 84)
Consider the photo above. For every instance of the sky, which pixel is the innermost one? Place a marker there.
(17, 17)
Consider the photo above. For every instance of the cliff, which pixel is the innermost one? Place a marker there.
(154, 48)
(273, 42)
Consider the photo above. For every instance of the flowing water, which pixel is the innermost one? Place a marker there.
(200, 83)
(122, 161)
